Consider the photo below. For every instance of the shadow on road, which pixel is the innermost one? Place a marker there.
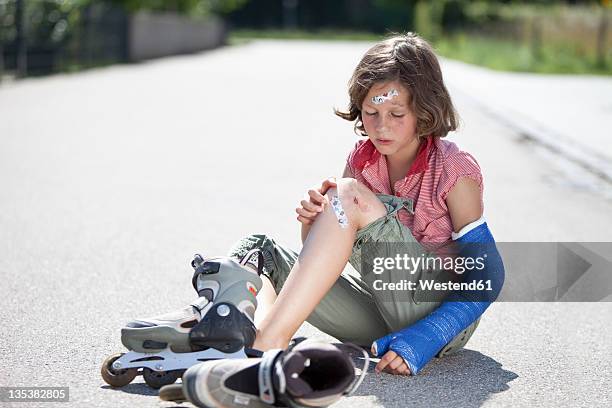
(465, 379)
(134, 388)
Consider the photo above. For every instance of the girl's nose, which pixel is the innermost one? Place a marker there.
(381, 124)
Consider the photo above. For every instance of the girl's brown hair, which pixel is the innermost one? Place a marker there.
(411, 60)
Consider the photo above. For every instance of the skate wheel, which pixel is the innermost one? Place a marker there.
(157, 379)
(172, 392)
(116, 378)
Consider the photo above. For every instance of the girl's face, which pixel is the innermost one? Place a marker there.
(387, 117)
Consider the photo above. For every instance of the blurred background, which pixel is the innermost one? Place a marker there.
(38, 37)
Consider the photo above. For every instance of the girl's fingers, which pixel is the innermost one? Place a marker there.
(304, 220)
(316, 197)
(396, 363)
(304, 213)
(402, 369)
(327, 184)
(385, 361)
(309, 206)
(392, 363)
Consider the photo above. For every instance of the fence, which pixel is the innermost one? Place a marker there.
(38, 38)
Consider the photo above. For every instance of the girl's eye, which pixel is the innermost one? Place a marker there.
(376, 113)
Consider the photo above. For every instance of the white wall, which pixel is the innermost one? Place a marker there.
(157, 35)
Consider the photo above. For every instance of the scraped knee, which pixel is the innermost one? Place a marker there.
(356, 202)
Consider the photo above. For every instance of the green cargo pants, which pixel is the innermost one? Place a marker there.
(352, 311)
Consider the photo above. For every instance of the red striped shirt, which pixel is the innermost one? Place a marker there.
(437, 167)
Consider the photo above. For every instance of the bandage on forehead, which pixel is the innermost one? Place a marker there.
(379, 99)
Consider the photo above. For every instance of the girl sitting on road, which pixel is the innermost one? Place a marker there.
(403, 183)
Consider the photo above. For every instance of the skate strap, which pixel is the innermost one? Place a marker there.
(364, 370)
(253, 353)
(260, 260)
(200, 303)
(266, 367)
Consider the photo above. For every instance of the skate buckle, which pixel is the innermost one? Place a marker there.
(266, 390)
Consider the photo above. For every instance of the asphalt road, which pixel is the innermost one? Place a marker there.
(111, 179)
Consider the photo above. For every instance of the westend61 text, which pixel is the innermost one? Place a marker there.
(432, 285)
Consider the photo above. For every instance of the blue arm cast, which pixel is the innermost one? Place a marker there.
(420, 342)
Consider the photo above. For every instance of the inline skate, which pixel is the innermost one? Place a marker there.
(307, 374)
(217, 325)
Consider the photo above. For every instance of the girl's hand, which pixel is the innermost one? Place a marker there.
(392, 363)
(314, 204)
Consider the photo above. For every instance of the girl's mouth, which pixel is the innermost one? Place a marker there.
(384, 141)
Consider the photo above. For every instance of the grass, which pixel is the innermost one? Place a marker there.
(242, 36)
(478, 50)
(512, 56)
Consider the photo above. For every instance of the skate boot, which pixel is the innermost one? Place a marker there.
(218, 324)
(309, 374)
